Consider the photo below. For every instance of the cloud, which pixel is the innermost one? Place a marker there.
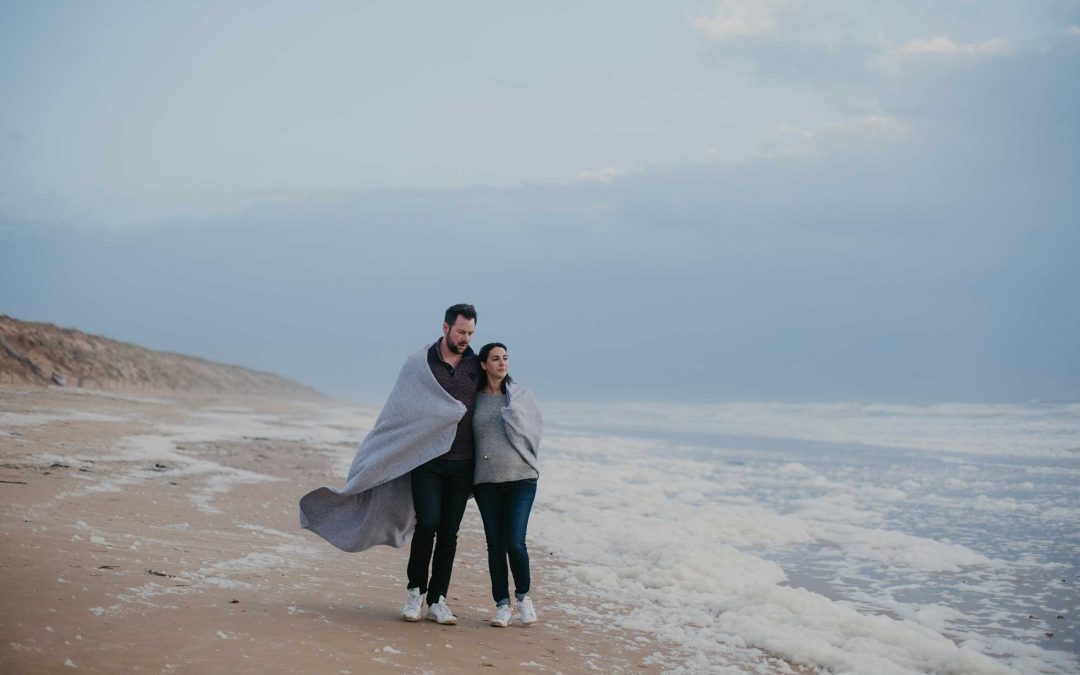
(944, 46)
(894, 57)
(1074, 30)
(605, 175)
(827, 47)
(838, 47)
(738, 18)
(853, 135)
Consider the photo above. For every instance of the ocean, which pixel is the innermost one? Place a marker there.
(850, 537)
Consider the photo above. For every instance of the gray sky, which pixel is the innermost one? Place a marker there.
(732, 200)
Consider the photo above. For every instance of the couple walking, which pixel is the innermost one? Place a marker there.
(455, 424)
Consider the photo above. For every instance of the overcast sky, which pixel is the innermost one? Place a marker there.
(701, 201)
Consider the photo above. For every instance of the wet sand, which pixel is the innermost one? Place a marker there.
(157, 533)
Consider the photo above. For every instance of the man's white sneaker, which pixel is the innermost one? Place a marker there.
(440, 613)
(527, 611)
(504, 616)
(413, 602)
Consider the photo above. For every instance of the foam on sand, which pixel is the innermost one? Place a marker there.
(10, 419)
(851, 561)
(328, 431)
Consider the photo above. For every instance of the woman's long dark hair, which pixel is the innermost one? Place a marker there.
(485, 351)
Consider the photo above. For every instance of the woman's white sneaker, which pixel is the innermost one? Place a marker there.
(504, 616)
(527, 611)
(413, 602)
(440, 613)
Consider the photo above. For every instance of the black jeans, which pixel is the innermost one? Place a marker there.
(440, 490)
(505, 508)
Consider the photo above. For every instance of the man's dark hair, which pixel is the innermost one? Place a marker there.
(460, 309)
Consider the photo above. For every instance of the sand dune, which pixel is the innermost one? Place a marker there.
(43, 354)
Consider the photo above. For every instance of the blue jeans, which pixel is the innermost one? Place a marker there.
(505, 509)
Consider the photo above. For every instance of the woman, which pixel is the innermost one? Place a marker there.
(507, 430)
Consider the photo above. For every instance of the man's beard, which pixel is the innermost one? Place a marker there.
(454, 349)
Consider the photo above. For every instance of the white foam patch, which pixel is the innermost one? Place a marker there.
(10, 419)
(147, 451)
(96, 535)
(684, 535)
(100, 393)
(333, 429)
(899, 549)
(325, 426)
(692, 587)
(222, 574)
(269, 531)
(1061, 513)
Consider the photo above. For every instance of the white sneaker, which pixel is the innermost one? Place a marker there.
(504, 616)
(440, 613)
(413, 602)
(527, 611)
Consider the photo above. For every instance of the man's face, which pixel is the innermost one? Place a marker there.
(459, 335)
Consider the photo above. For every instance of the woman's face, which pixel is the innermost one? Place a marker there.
(497, 363)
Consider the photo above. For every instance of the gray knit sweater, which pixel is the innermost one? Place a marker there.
(496, 459)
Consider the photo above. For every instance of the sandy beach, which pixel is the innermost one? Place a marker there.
(159, 534)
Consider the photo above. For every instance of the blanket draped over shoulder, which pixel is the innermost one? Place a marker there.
(417, 424)
(523, 422)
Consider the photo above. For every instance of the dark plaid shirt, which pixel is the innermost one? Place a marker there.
(460, 383)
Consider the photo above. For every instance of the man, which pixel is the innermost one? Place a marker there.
(413, 472)
(441, 487)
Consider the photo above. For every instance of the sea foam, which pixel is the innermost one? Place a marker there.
(871, 541)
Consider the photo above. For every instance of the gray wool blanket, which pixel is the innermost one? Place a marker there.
(524, 423)
(417, 424)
